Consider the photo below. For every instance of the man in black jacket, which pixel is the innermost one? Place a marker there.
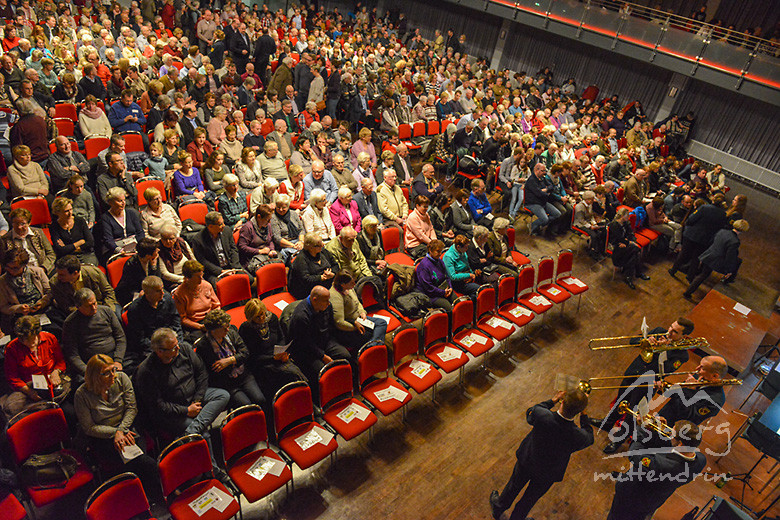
(367, 201)
(537, 199)
(699, 231)
(239, 48)
(544, 453)
(215, 248)
(722, 256)
(264, 48)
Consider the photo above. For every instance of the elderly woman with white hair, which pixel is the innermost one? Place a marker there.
(266, 193)
(344, 211)
(369, 241)
(286, 228)
(481, 259)
(498, 244)
(316, 217)
(363, 170)
(122, 226)
(241, 128)
(26, 176)
(174, 252)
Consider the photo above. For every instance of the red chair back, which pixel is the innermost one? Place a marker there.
(462, 313)
(406, 342)
(545, 271)
(12, 509)
(372, 360)
(114, 270)
(433, 127)
(242, 429)
(436, 326)
(486, 300)
(95, 145)
(418, 129)
(142, 186)
(335, 382)
(525, 281)
(270, 278)
(196, 211)
(65, 127)
(133, 143)
(38, 432)
(184, 459)
(367, 296)
(39, 209)
(619, 195)
(510, 236)
(404, 131)
(66, 111)
(233, 288)
(565, 260)
(292, 404)
(391, 239)
(506, 289)
(119, 498)
(445, 124)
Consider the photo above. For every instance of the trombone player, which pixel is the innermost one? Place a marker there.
(700, 396)
(663, 362)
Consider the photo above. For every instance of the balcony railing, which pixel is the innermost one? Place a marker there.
(743, 56)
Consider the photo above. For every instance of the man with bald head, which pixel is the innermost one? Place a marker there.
(697, 404)
(64, 163)
(311, 335)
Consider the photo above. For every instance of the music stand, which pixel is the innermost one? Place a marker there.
(721, 509)
(769, 384)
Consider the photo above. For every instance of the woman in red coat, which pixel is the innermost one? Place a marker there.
(200, 148)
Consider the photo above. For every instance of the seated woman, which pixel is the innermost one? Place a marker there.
(24, 288)
(261, 332)
(312, 266)
(498, 244)
(93, 120)
(232, 204)
(369, 241)
(194, 298)
(25, 176)
(462, 221)
(482, 260)
(187, 184)
(419, 229)
(231, 147)
(266, 194)
(458, 270)
(432, 279)
(174, 252)
(156, 214)
(286, 229)
(122, 228)
(171, 148)
(33, 352)
(225, 354)
(214, 172)
(441, 218)
(248, 169)
(626, 254)
(29, 238)
(106, 410)
(323, 151)
(344, 211)
(200, 148)
(316, 217)
(350, 317)
(70, 234)
(83, 200)
(303, 155)
(255, 242)
(294, 188)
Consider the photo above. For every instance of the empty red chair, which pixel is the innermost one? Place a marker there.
(526, 295)
(244, 443)
(94, 145)
(114, 268)
(375, 309)
(545, 283)
(488, 320)
(233, 290)
(391, 241)
(44, 430)
(195, 211)
(39, 209)
(415, 372)
(186, 474)
(66, 111)
(11, 508)
(142, 186)
(564, 278)
(418, 129)
(65, 127)
(299, 435)
(345, 414)
(438, 349)
(464, 334)
(385, 394)
(119, 498)
(433, 128)
(507, 307)
(518, 257)
(270, 278)
(133, 142)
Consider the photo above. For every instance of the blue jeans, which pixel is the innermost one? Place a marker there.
(544, 215)
(330, 107)
(380, 329)
(467, 288)
(517, 199)
(214, 401)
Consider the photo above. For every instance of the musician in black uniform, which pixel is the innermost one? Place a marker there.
(544, 453)
(669, 360)
(697, 404)
(638, 492)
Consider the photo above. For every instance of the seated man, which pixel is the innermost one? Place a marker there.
(64, 163)
(367, 201)
(172, 386)
(635, 189)
(153, 310)
(426, 184)
(392, 202)
(697, 404)
(589, 221)
(215, 248)
(144, 263)
(478, 203)
(311, 335)
(347, 253)
(322, 179)
(91, 329)
(538, 199)
(70, 276)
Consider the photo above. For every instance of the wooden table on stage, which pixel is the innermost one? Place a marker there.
(731, 334)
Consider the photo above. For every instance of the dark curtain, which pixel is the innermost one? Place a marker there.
(747, 14)
(530, 50)
(738, 125)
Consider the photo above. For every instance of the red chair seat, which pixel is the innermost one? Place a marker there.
(649, 233)
(249, 486)
(12, 509)
(236, 315)
(405, 373)
(572, 284)
(516, 313)
(399, 258)
(394, 322)
(520, 259)
(449, 365)
(390, 405)
(271, 301)
(312, 455)
(83, 476)
(180, 508)
(496, 330)
(476, 349)
(537, 305)
(641, 241)
(554, 292)
(348, 430)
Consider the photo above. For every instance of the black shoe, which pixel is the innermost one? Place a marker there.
(612, 447)
(630, 283)
(600, 424)
(672, 273)
(642, 276)
(727, 280)
(494, 508)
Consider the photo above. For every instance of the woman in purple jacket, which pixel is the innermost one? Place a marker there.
(432, 279)
(187, 184)
(255, 241)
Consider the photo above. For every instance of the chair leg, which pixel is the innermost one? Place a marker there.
(579, 301)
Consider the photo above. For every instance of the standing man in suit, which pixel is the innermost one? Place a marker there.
(215, 248)
(402, 165)
(264, 48)
(722, 256)
(698, 233)
(239, 48)
(359, 113)
(544, 453)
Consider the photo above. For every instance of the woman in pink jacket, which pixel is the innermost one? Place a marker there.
(344, 211)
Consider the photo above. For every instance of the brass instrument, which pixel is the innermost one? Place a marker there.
(648, 421)
(646, 348)
(586, 386)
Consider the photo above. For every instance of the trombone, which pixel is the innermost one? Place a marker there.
(586, 385)
(648, 421)
(647, 350)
